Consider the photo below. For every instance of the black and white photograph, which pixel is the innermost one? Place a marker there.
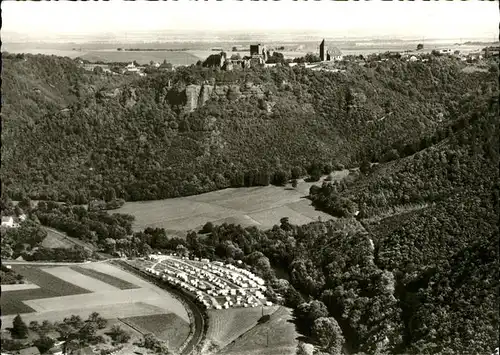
(250, 177)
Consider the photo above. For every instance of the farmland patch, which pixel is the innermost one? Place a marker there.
(67, 274)
(168, 327)
(19, 287)
(226, 325)
(106, 278)
(277, 336)
(56, 240)
(50, 286)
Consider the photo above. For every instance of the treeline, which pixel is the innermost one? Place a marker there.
(9, 276)
(144, 145)
(78, 222)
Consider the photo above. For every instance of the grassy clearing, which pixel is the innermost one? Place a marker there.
(56, 240)
(277, 336)
(224, 326)
(168, 327)
(50, 286)
(255, 206)
(106, 278)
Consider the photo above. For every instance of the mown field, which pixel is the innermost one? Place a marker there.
(50, 286)
(111, 280)
(277, 336)
(57, 239)
(262, 207)
(168, 327)
(225, 326)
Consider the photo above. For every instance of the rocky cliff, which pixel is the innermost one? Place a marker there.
(198, 95)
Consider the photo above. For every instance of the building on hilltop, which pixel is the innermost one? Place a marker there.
(329, 53)
(258, 53)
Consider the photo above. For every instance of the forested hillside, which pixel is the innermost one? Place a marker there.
(433, 217)
(136, 137)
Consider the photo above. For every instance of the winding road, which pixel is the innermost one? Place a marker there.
(196, 311)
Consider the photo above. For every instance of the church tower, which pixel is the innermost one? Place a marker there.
(322, 51)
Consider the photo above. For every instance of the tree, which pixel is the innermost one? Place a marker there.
(207, 228)
(110, 245)
(151, 342)
(110, 194)
(44, 343)
(365, 167)
(93, 317)
(292, 297)
(19, 328)
(46, 326)
(280, 178)
(34, 325)
(302, 348)
(101, 323)
(420, 46)
(119, 335)
(87, 333)
(307, 313)
(327, 332)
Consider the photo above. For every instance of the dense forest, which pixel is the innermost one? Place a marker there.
(76, 131)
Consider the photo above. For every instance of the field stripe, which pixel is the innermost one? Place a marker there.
(106, 278)
(18, 287)
(67, 274)
(161, 300)
(106, 311)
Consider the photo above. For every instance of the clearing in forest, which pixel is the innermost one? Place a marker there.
(262, 207)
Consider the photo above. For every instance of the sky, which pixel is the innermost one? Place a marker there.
(403, 19)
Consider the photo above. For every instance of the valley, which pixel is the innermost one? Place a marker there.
(268, 208)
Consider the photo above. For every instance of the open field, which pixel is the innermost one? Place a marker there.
(50, 286)
(255, 206)
(276, 336)
(64, 291)
(168, 327)
(69, 275)
(57, 239)
(175, 58)
(225, 326)
(108, 279)
(19, 287)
